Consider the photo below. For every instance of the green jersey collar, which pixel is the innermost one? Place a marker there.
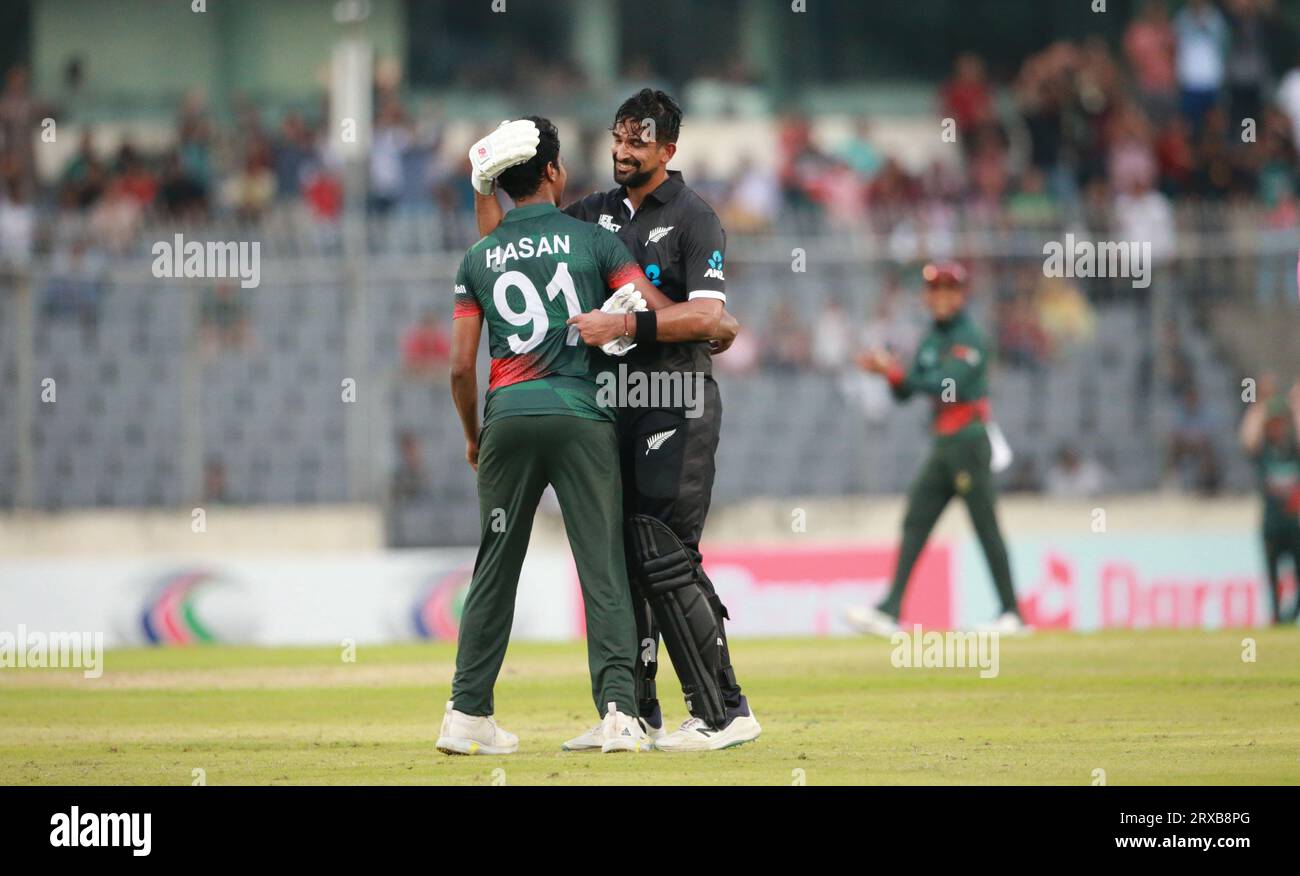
(532, 210)
(956, 319)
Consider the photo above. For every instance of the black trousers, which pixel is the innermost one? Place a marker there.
(667, 458)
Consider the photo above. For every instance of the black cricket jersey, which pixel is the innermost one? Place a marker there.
(678, 241)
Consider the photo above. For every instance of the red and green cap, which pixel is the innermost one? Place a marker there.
(944, 274)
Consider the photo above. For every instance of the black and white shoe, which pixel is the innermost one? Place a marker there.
(696, 735)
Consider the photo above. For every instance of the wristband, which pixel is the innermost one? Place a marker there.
(626, 333)
(647, 326)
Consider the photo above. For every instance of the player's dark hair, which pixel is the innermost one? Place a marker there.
(658, 107)
(524, 179)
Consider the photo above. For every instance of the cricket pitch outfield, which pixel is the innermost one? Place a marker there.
(1146, 707)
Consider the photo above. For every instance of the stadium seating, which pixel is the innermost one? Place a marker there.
(146, 398)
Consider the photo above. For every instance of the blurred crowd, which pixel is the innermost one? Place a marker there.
(1191, 106)
(240, 170)
(1199, 104)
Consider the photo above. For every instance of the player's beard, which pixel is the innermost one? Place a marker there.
(634, 178)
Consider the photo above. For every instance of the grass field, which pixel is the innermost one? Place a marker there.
(1148, 708)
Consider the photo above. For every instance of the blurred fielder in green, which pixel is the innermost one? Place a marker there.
(1268, 434)
(951, 367)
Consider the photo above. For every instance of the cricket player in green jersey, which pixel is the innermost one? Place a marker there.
(1268, 434)
(951, 366)
(543, 424)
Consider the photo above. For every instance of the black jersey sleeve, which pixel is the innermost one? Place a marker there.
(704, 249)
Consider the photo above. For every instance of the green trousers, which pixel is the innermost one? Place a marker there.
(958, 465)
(518, 457)
(1281, 541)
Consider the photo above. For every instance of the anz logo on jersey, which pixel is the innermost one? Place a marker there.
(715, 266)
(652, 274)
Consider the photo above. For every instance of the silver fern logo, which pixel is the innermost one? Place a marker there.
(659, 234)
(655, 441)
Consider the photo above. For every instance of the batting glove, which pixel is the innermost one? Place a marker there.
(512, 143)
(625, 300)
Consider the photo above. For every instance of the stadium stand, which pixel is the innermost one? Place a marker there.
(200, 391)
(248, 391)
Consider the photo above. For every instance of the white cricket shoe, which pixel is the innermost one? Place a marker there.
(473, 734)
(695, 735)
(1008, 624)
(593, 739)
(589, 741)
(619, 732)
(869, 619)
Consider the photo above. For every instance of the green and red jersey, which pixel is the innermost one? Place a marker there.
(1278, 469)
(951, 366)
(535, 270)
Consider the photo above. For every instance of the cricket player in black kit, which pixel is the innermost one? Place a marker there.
(667, 451)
